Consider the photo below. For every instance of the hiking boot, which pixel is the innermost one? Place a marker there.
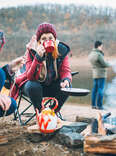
(94, 107)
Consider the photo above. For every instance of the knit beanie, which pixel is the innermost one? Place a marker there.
(45, 28)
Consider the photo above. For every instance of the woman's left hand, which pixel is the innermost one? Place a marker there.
(64, 84)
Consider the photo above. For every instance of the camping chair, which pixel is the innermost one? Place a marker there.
(19, 113)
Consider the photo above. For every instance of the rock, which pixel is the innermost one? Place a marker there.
(70, 139)
(77, 126)
(69, 135)
(83, 119)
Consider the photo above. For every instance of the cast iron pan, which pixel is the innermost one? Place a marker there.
(75, 91)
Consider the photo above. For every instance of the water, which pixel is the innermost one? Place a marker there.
(84, 80)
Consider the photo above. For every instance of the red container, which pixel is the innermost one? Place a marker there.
(49, 46)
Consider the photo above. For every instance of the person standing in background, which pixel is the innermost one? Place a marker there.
(99, 70)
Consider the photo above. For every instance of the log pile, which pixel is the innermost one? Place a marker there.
(100, 144)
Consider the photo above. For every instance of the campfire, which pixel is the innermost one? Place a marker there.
(100, 136)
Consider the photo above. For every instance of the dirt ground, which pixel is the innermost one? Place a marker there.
(18, 142)
(22, 143)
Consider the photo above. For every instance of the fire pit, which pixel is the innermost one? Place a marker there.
(102, 136)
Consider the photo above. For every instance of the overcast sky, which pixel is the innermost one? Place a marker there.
(14, 3)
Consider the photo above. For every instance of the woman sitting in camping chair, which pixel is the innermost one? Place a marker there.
(47, 68)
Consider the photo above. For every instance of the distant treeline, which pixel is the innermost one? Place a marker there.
(78, 26)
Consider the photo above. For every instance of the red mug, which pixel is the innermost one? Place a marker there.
(49, 46)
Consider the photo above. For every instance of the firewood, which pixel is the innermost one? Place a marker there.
(101, 128)
(100, 144)
(99, 149)
(3, 140)
(97, 138)
(86, 131)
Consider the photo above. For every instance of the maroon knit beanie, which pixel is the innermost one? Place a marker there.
(45, 28)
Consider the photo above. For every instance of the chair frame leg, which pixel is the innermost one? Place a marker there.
(17, 114)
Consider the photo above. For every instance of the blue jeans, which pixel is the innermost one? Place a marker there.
(98, 92)
(13, 105)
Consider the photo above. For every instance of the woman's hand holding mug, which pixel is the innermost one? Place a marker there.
(39, 48)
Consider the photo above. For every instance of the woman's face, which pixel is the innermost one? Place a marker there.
(47, 37)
